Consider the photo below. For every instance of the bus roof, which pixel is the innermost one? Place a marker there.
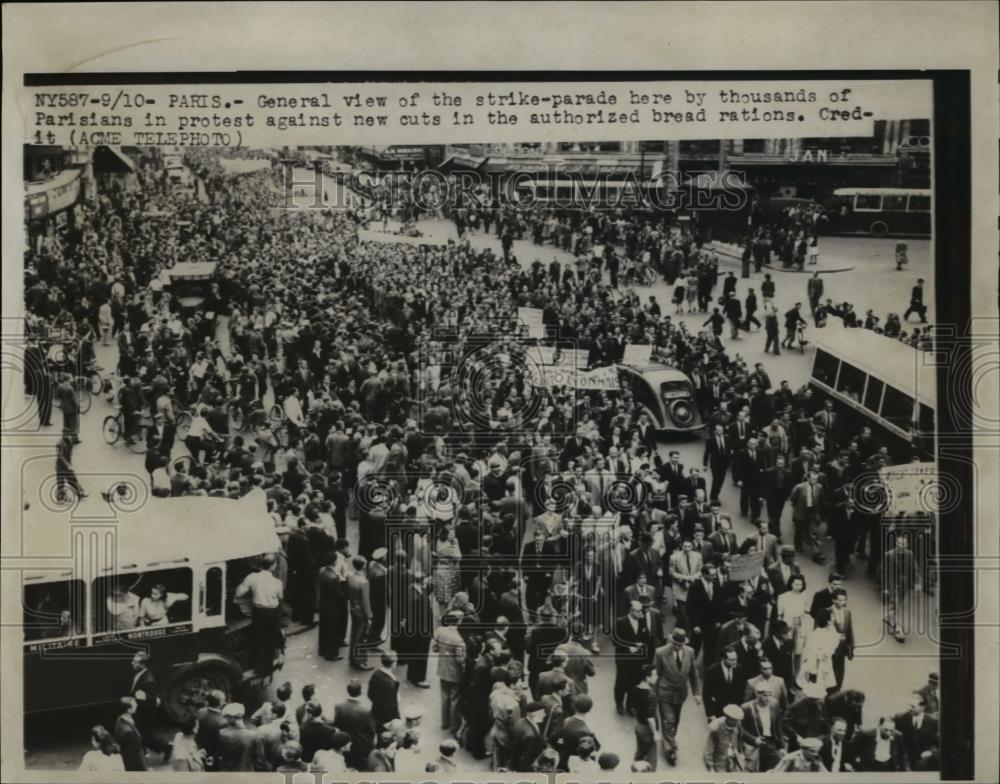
(907, 369)
(882, 192)
(199, 529)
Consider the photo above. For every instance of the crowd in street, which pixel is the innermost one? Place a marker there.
(438, 508)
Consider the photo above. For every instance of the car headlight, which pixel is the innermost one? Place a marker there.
(681, 413)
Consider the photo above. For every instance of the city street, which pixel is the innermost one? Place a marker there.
(884, 669)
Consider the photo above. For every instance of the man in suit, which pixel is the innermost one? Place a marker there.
(383, 691)
(917, 302)
(360, 604)
(900, 576)
(776, 486)
(823, 599)
(842, 621)
(781, 572)
(676, 672)
(579, 658)
(712, 521)
(778, 649)
(920, 733)
(537, 568)
(645, 560)
(575, 728)
(847, 705)
(684, 567)
(704, 607)
(765, 542)
(723, 746)
(654, 622)
(723, 539)
(930, 693)
(210, 721)
(762, 733)
(417, 625)
(718, 455)
(807, 500)
(775, 684)
(128, 736)
(315, 733)
(673, 473)
(356, 720)
(879, 749)
(740, 432)
(752, 467)
(807, 716)
(632, 640)
(527, 741)
(835, 750)
(724, 685)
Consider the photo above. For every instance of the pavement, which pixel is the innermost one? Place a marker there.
(884, 669)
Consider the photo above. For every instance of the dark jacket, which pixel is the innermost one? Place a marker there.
(130, 741)
(383, 694)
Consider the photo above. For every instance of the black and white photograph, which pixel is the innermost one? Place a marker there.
(606, 458)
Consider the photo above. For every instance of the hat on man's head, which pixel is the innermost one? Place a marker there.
(787, 549)
(234, 710)
(733, 712)
(679, 636)
(413, 711)
(934, 678)
(379, 554)
(812, 744)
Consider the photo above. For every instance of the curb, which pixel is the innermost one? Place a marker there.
(724, 251)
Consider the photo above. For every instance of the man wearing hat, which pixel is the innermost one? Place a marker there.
(675, 670)
(723, 750)
(763, 735)
(781, 573)
(932, 700)
(805, 760)
(242, 748)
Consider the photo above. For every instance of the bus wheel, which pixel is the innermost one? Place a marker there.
(189, 689)
(879, 228)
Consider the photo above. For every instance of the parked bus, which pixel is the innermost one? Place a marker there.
(160, 579)
(880, 382)
(880, 212)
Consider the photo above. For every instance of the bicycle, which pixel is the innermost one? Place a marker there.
(114, 431)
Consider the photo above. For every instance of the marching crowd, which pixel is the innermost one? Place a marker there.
(435, 506)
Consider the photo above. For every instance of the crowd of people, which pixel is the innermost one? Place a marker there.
(436, 505)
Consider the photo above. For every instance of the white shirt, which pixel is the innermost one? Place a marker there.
(882, 747)
(265, 590)
(764, 714)
(836, 750)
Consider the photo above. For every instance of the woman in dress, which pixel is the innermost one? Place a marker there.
(447, 577)
(105, 756)
(817, 654)
(153, 609)
(185, 754)
(792, 607)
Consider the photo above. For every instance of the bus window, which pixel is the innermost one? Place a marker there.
(851, 381)
(156, 598)
(894, 203)
(825, 368)
(897, 408)
(213, 591)
(920, 204)
(926, 424)
(870, 202)
(53, 610)
(873, 395)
